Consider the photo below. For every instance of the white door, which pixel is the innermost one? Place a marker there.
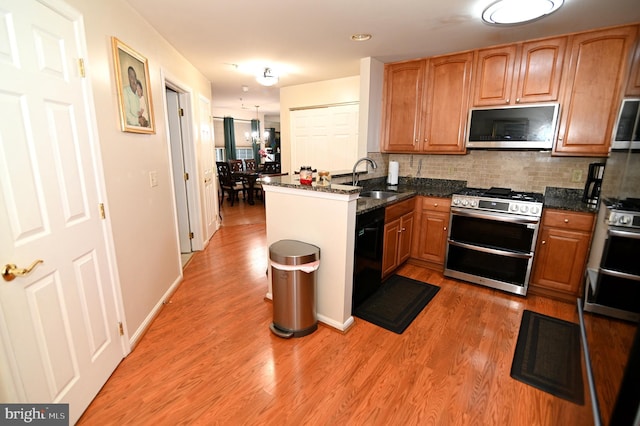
(207, 161)
(178, 172)
(325, 138)
(58, 324)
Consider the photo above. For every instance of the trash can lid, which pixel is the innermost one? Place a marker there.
(293, 252)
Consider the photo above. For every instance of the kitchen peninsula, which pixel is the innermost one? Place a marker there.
(325, 217)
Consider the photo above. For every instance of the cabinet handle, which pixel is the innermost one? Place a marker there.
(517, 100)
(508, 100)
(445, 228)
(416, 140)
(566, 221)
(544, 242)
(435, 205)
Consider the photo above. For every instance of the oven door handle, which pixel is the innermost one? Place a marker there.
(524, 220)
(624, 234)
(490, 250)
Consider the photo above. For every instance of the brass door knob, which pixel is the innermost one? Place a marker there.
(10, 271)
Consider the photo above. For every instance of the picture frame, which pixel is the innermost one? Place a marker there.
(136, 106)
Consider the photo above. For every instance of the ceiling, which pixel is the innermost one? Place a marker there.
(309, 41)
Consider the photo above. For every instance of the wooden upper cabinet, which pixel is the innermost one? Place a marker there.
(493, 69)
(540, 70)
(633, 85)
(594, 78)
(519, 73)
(403, 99)
(446, 103)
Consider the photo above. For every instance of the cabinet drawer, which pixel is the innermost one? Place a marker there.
(394, 211)
(436, 204)
(568, 220)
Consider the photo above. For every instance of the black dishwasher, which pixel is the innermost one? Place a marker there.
(367, 270)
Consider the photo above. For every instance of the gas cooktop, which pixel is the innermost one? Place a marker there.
(503, 193)
(502, 200)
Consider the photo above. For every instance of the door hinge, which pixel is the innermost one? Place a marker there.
(186, 176)
(103, 215)
(181, 112)
(191, 235)
(81, 67)
(120, 329)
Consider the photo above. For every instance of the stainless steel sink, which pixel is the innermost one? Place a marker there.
(378, 195)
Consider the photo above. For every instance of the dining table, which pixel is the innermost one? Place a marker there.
(250, 177)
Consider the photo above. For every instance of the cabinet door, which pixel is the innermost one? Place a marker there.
(390, 247)
(404, 240)
(633, 85)
(403, 87)
(447, 103)
(493, 69)
(540, 70)
(431, 242)
(560, 260)
(593, 84)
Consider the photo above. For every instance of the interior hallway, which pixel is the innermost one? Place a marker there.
(209, 357)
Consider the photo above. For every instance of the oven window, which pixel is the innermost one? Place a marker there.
(621, 254)
(501, 268)
(492, 233)
(617, 292)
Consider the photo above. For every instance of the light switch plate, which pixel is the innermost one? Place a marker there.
(153, 178)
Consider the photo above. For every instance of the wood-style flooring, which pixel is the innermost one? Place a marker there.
(209, 357)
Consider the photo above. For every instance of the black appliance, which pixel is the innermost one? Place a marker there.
(613, 276)
(492, 237)
(367, 270)
(593, 185)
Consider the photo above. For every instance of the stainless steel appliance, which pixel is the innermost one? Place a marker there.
(613, 274)
(492, 237)
(520, 126)
(628, 125)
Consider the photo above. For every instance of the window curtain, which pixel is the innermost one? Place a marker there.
(229, 138)
(255, 130)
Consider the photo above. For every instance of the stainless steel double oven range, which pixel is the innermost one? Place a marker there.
(613, 272)
(492, 237)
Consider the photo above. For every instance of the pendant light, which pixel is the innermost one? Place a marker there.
(267, 77)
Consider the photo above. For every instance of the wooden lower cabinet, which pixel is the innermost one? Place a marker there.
(429, 244)
(561, 254)
(398, 230)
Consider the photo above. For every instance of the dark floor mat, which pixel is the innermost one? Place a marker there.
(547, 356)
(397, 303)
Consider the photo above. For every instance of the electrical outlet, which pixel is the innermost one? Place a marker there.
(576, 175)
(153, 178)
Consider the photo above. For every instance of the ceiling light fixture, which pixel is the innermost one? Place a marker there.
(361, 37)
(267, 77)
(512, 12)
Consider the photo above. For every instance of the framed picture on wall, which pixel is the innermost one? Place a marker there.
(134, 90)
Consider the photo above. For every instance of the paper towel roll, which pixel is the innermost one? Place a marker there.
(394, 168)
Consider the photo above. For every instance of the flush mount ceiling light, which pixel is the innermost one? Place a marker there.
(512, 12)
(361, 37)
(267, 77)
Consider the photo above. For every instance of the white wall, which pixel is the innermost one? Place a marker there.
(143, 217)
(327, 92)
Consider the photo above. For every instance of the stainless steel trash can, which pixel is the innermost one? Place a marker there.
(293, 272)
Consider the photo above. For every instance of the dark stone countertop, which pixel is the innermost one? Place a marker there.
(566, 199)
(406, 188)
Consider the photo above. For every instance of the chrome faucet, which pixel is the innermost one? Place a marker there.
(355, 177)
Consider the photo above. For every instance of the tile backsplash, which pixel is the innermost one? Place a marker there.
(518, 170)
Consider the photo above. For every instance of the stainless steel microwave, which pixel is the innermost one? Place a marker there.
(627, 130)
(513, 127)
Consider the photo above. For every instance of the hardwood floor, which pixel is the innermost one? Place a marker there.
(209, 357)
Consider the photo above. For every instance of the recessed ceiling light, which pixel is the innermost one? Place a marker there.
(361, 37)
(512, 12)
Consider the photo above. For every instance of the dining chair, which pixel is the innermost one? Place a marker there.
(228, 183)
(236, 165)
(250, 165)
(271, 167)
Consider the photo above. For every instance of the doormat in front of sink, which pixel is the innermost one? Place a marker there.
(396, 303)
